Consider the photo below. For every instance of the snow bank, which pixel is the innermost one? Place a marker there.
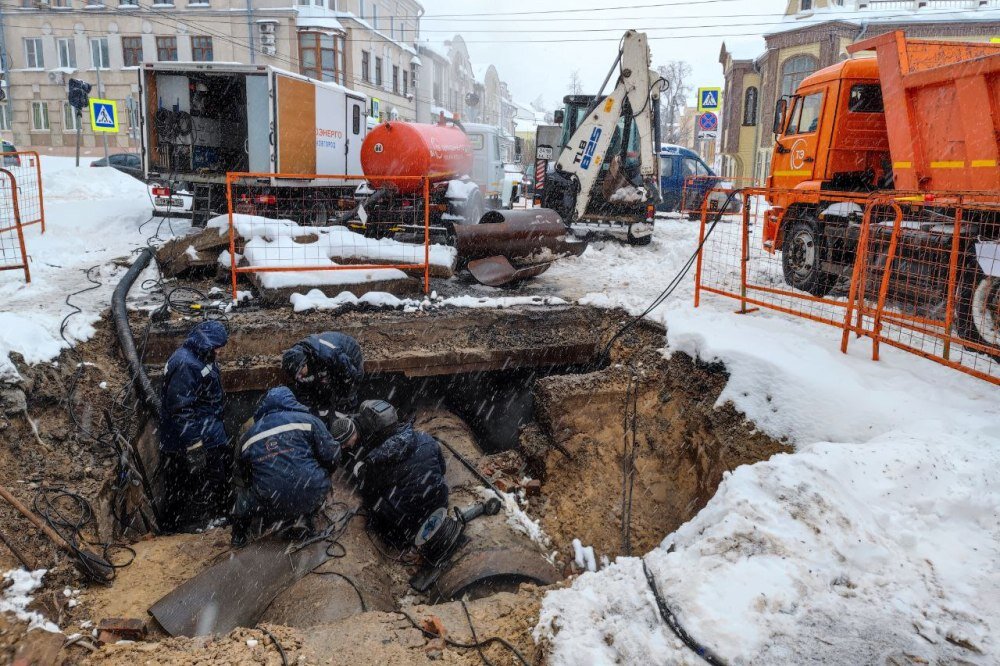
(317, 300)
(17, 596)
(93, 216)
(878, 537)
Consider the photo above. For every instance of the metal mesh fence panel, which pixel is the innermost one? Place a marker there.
(13, 253)
(26, 167)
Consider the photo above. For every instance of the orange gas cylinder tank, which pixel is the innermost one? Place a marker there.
(396, 149)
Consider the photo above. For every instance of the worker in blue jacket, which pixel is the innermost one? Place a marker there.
(324, 371)
(399, 472)
(286, 459)
(194, 456)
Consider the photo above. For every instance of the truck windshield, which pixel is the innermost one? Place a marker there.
(574, 117)
(805, 115)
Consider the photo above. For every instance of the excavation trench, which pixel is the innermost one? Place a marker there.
(522, 397)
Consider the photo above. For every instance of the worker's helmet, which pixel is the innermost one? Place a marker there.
(376, 419)
(292, 360)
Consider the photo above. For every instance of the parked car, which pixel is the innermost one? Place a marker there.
(679, 165)
(10, 160)
(528, 181)
(511, 185)
(129, 163)
(170, 202)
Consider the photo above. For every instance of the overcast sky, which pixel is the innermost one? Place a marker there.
(529, 58)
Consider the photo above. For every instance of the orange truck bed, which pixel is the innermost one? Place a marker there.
(942, 110)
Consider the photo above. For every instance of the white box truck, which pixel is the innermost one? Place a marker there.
(203, 120)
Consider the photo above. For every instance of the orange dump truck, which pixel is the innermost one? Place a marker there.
(921, 117)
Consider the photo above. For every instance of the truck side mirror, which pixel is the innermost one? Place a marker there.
(559, 116)
(779, 115)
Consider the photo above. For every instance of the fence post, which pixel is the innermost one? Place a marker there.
(697, 270)
(427, 235)
(18, 228)
(232, 237)
(744, 255)
(41, 195)
(883, 291)
(856, 292)
(952, 277)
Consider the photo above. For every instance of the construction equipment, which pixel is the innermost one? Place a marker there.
(202, 120)
(918, 118)
(608, 169)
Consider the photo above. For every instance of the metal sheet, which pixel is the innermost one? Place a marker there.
(498, 271)
(236, 591)
(488, 571)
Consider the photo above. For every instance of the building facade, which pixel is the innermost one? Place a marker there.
(365, 45)
(816, 35)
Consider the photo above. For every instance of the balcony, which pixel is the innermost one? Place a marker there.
(882, 5)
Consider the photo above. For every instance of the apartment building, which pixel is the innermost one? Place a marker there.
(363, 44)
(815, 34)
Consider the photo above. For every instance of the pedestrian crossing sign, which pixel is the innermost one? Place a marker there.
(103, 115)
(709, 100)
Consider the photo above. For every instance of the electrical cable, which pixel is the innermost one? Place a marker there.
(277, 644)
(629, 452)
(672, 285)
(469, 646)
(671, 621)
(361, 597)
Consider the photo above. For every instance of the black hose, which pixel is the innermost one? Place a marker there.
(119, 315)
(472, 468)
(671, 621)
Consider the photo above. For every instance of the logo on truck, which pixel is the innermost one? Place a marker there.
(798, 158)
(590, 148)
(379, 147)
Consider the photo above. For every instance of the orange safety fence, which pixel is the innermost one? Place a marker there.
(938, 298)
(305, 231)
(13, 253)
(27, 169)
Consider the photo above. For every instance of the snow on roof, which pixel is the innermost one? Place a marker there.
(745, 48)
(434, 48)
(324, 22)
(859, 16)
(357, 19)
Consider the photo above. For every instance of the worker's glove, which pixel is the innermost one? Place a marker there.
(358, 471)
(197, 458)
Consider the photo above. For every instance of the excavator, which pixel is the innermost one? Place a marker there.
(608, 169)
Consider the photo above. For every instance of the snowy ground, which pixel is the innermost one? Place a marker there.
(878, 537)
(92, 217)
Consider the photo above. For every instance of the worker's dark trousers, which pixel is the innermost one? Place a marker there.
(194, 496)
(252, 516)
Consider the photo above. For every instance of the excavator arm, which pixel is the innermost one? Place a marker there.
(585, 152)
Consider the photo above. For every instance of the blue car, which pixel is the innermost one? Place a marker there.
(679, 165)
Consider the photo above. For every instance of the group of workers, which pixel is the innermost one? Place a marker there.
(275, 476)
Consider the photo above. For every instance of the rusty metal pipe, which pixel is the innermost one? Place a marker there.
(516, 234)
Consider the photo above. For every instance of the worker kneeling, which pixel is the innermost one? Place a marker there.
(285, 460)
(324, 371)
(399, 472)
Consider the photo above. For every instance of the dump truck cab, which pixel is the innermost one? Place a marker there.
(831, 135)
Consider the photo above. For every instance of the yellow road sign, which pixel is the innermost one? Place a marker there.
(103, 115)
(709, 99)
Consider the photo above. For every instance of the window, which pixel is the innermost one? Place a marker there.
(33, 53)
(66, 47)
(71, 122)
(750, 106)
(322, 56)
(691, 167)
(132, 51)
(201, 49)
(395, 79)
(478, 141)
(378, 71)
(374, 17)
(59, 4)
(362, 10)
(356, 120)
(128, 3)
(406, 83)
(806, 5)
(392, 27)
(366, 66)
(666, 167)
(866, 98)
(39, 116)
(166, 49)
(5, 117)
(794, 71)
(805, 115)
(99, 53)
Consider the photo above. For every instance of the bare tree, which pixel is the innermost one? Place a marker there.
(677, 73)
(539, 103)
(575, 84)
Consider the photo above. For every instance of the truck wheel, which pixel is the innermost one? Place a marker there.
(802, 253)
(977, 309)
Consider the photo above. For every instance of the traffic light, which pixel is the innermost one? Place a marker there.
(79, 93)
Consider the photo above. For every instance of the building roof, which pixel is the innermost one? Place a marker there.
(858, 16)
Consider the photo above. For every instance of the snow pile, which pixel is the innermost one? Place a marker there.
(461, 189)
(93, 216)
(274, 243)
(584, 556)
(317, 300)
(878, 538)
(518, 519)
(17, 596)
